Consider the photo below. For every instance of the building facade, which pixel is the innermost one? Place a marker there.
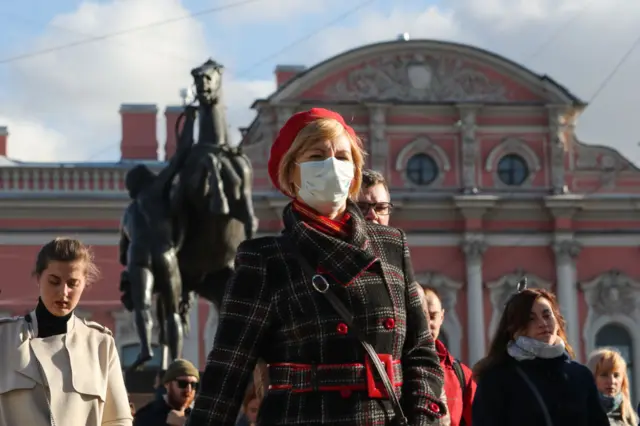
(487, 175)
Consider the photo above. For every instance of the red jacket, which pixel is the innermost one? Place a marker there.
(458, 402)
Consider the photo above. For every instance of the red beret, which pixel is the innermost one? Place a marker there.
(290, 130)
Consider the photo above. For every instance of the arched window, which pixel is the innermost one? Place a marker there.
(616, 336)
(513, 170)
(422, 169)
(130, 354)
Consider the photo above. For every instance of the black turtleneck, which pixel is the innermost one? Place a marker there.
(49, 324)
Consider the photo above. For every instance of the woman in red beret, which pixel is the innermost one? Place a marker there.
(323, 302)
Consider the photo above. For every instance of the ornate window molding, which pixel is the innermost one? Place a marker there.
(613, 298)
(423, 145)
(501, 289)
(448, 291)
(516, 146)
(210, 328)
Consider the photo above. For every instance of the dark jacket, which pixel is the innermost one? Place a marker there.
(271, 311)
(568, 389)
(154, 413)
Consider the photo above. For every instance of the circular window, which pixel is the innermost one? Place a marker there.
(513, 170)
(422, 169)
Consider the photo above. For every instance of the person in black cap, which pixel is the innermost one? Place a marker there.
(181, 383)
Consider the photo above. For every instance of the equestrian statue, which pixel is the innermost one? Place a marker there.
(215, 193)
(180, 238)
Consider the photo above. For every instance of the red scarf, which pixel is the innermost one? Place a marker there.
(336, 228)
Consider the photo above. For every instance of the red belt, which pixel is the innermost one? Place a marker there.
(334, 377)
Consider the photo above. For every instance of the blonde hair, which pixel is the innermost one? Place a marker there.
(249, 396)
(318, 130)
(606, 360)
(261, 379)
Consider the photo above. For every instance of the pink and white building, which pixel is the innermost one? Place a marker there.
(488, 176)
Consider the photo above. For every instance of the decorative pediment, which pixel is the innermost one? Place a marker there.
(448, 289)
(425, 71)
(504, 287)
(600, 158)
(612, 293)
(428, 77)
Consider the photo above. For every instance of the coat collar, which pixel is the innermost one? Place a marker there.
(26, 360)
(34, 323)
(343, 260)
(443, 353)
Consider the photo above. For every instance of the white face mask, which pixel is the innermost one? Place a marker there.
(324, 185)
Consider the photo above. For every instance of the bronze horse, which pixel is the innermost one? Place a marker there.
(214, 191)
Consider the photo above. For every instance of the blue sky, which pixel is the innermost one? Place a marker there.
(244, 44)
(63, 106)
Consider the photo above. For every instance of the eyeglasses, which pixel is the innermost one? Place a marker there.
(183, 384)
(381, 209)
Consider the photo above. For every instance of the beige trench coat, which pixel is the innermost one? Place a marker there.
(73, 379)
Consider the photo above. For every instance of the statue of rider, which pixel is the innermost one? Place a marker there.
(149, 240)
(229, 170)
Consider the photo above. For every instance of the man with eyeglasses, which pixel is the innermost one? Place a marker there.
(374, 199)
(181, 382)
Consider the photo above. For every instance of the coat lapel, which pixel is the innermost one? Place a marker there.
(25, 362)
(344, 261)
(84, 357)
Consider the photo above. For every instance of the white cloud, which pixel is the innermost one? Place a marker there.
(77, 91)
(239, 95)
(275, 11)
(35, 142)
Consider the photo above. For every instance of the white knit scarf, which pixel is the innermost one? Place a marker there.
(526, 348)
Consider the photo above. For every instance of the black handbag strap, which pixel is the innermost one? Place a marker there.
(321, 285)
(536, 394)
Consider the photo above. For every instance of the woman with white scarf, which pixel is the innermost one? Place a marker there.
(610, 371)
(529, 377)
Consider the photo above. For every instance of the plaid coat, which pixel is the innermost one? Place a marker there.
(271, 311)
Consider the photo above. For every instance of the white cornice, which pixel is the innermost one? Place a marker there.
(45, 206)
(415, 239)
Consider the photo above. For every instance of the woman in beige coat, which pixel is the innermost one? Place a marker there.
(56, 369)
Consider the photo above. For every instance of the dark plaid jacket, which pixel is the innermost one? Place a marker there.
(271, 311)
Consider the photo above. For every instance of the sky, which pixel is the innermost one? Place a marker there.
(61, 104)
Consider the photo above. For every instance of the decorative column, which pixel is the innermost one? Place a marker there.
(378, 143)
(469, 149)
(557, 130)
(567, 288)
(476, 330)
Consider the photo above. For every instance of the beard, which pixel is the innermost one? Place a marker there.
(179, 402)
